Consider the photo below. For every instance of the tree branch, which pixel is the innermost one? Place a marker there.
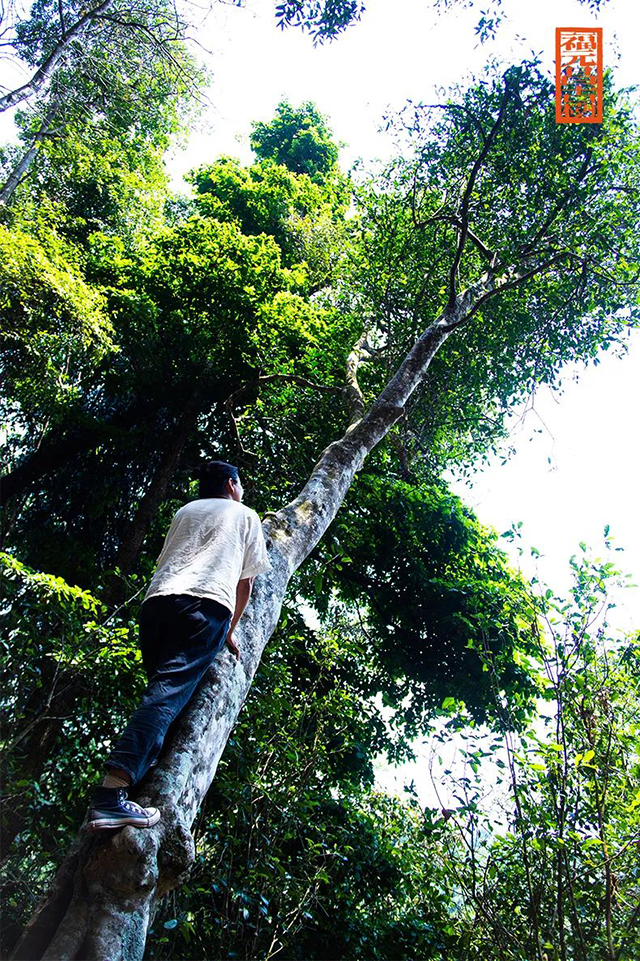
(473, 237)
(44, 72)
(268, 378)
(362, 351)
(512, 278)
(584, 169)
(63, 30)
(466, 197)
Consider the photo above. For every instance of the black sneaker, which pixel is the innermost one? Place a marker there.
(110, 809)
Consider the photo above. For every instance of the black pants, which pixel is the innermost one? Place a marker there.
(180, 636)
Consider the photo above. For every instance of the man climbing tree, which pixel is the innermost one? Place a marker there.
(213, 551)
(496, 252)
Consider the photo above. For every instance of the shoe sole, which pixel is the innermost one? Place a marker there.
(101, 824)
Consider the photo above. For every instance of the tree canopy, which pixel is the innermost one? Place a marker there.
(283, 310)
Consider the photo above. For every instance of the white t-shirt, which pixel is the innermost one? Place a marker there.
(211, 544)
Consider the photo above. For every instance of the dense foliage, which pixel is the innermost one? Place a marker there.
(143, 331)
(529, 853)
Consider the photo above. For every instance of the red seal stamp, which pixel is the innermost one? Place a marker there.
(578, 75)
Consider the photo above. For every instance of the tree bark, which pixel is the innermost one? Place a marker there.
(46, 69)
(21, 169)
(107, 888)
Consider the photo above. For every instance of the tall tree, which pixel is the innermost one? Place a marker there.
(298, 138)
(533, 226)
(216, 305)
(115, 66)
(119, 61)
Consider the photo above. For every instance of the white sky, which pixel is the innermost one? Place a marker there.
(400, 49)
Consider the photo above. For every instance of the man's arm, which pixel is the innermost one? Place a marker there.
(243, 593)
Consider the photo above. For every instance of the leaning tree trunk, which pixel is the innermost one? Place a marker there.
(105, 893)
(22, 167)
(48, 67)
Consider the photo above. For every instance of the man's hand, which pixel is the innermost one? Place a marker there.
(243, 593)
(233, 647)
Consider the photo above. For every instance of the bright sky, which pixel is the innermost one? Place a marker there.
(400, 49)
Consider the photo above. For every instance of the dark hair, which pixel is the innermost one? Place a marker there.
(213, 476)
